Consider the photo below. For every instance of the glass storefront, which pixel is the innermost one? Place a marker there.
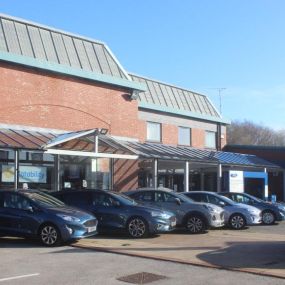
(85, 172)
(39, 170)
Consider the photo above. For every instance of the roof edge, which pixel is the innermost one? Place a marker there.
(183, 113)
(66, 70)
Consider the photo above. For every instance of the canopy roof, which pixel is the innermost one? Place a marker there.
(83, 143)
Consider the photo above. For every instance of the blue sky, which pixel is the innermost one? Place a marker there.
(199, 45)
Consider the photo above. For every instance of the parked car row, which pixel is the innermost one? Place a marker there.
(74, 214)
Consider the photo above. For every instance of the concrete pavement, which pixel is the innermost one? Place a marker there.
(260, 251)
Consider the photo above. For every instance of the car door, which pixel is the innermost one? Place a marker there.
(17, 214)
(108, 210)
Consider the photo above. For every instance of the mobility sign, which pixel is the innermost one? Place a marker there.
(236, 181)
(29, 174)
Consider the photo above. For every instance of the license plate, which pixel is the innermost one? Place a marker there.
(91, 229)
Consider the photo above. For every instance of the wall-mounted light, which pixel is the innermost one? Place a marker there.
(134, 95)
(103, 131)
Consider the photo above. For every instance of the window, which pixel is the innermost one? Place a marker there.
(184, 136)
(15, 201)
(153, 131)
(102, 199)
(210, 139)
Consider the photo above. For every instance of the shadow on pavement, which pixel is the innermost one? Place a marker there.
(267, 255)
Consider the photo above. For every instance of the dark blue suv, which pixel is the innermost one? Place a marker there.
(117, 212)
(31, 213)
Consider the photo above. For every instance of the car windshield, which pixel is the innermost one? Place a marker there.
(44, 200)
(227, 200)
(184, 198)
(253, 198)
(124, 199)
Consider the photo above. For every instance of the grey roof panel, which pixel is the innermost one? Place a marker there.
(81, 52)
(3, 45)
(11, 36)
(169, 96)
(24, 40)
(37, 43)
(60, 49)
(49, 46)
(102, 58)
(71, 51)
(92, 57)
(40, 42)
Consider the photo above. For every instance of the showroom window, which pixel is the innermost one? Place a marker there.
(153, 131)
(210, 139)
(7, 165)
(184, 136)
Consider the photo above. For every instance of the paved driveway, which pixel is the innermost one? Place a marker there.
(259, 249)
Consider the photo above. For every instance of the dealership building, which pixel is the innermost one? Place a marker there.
(72, 117)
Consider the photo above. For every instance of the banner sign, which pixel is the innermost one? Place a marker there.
(236, 181)
(29, 174)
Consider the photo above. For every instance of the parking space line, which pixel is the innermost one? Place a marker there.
(19, 277)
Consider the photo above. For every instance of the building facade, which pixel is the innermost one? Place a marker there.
(116, 130)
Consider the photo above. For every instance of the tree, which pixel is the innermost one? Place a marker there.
(249, 133)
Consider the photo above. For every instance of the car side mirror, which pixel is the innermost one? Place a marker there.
(29, 209)
(178, 201)
(222, 204)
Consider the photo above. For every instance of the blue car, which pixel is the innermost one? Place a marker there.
(270, 212)
(119, 213)
(31, 213)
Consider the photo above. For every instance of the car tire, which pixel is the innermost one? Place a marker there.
(49, 235)
(137, 227)
(195, 224)
(268, 218)
(237, 221)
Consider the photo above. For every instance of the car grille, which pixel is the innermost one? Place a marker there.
(90, 223)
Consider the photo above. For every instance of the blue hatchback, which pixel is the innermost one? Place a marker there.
(117, 212)
(31, 213)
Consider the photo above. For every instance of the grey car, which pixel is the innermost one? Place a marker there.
(270, 212)
(195, 217)
(237, 216)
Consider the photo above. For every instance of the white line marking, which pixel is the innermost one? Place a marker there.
(18, 277)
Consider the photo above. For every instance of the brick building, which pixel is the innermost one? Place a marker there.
(72, 117)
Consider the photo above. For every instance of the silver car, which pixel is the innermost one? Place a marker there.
(237, 216)
(195, 217)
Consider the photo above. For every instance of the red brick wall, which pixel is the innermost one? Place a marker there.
(36, 98)
(198, 138)
(169, 134)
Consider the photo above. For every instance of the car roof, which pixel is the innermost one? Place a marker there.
(21, 190)
(153, 189)
(204, 192)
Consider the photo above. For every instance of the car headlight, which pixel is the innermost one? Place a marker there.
(281, 207)
(68, 218)
(159, 214)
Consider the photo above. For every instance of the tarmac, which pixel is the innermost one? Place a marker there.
(259, 252)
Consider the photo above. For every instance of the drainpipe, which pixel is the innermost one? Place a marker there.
(16, 167)
(154, 173)
(266, 185)
(219, 178)
(186, 176)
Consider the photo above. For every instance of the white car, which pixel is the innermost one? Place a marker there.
(237, 216)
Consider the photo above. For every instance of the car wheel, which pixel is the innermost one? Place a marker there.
(237, 222)
(268, 218)
(195, 224)
(137, 227)
(49, 235)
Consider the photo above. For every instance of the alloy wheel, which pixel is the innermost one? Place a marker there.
(268, 218)
(195, 224)
(137, 228)
(237, 222)
(49, 235)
